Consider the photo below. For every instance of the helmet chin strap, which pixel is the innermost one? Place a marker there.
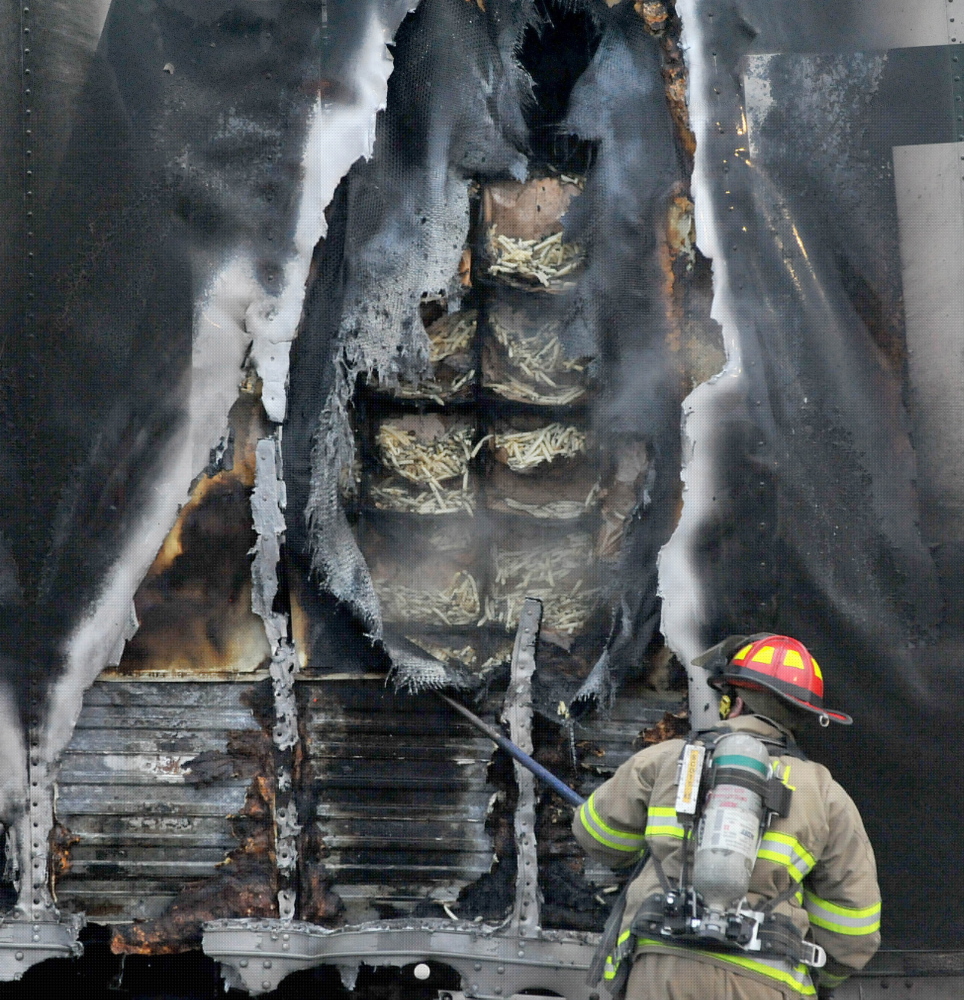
(824, 720)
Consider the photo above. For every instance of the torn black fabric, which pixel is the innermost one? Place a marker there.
(454, 112)
(617, 314)
(807, 492)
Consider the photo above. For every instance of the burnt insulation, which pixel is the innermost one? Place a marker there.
(453, 112)
(523, 80)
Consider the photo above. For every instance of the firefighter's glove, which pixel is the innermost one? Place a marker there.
(825, 993)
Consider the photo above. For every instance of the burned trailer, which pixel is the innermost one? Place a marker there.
(359, 350)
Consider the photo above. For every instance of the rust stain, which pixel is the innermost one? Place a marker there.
(655, 15)
(246, 888)
(677, 249)
(465, 268)
(60, 841)
(318, 903)
(587, 748)
(672, 306)
(681, 228)
(674, 83)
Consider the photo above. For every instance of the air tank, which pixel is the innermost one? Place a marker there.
(729, 831)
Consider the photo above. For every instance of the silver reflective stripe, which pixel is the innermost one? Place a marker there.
(624, 947)
(854, 921)
(782, 849)
(617, 840)
(661, 821)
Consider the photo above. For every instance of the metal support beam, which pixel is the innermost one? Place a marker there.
(495, 963)
(518, 714)
(267, 509)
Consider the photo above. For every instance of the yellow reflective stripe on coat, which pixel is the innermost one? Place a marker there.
(621, 951)
(782, 849)
(661, 821)
(841, 919)
(797, 977)
(829, 980)
(618, 840)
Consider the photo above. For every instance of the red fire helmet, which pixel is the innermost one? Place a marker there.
(774, 663)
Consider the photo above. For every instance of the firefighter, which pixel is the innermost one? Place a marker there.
(810, 873)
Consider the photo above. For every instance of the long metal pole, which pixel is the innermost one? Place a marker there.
(516, 752)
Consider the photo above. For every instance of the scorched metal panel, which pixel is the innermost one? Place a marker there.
(400, 795)
(138, 824)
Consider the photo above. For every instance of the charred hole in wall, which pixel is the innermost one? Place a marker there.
(505, 467)
(194, 605)
(487, 475)
(516, 460)
(555, 52)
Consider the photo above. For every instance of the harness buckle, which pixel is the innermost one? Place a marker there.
(812, 955)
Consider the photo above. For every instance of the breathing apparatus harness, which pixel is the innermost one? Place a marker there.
(727, 793)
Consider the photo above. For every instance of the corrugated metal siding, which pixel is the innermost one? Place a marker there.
(614, 734)
(400, 791)
(394, 785)
(143, 830)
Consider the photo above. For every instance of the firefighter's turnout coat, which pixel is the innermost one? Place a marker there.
(821, 847)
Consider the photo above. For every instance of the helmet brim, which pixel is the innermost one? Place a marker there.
(792, 700)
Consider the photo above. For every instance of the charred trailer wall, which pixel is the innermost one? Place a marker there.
(333, 331)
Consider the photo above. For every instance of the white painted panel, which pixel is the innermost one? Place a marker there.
(906, 24)
(930, 207)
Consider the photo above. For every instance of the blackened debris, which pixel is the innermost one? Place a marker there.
(673, 725)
